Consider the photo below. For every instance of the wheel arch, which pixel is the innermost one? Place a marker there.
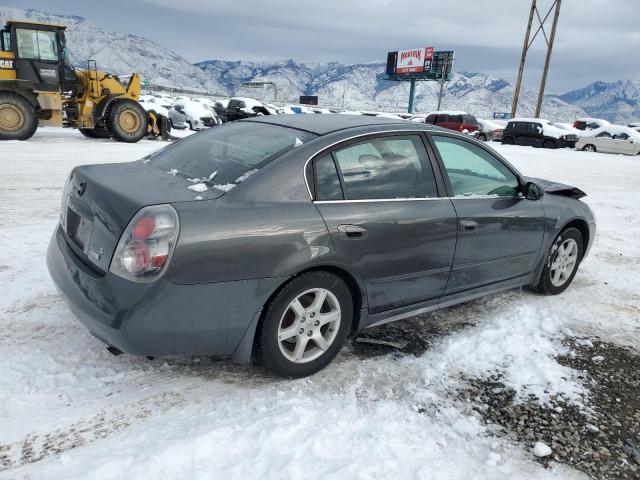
(20, 87)
(248, 344)
(583, 228)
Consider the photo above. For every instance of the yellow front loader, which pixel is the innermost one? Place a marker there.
(38, 87)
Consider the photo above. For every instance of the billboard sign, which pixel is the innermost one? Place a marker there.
(416, 60)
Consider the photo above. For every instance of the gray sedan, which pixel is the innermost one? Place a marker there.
(283, 234)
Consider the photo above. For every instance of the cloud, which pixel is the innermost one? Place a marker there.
(596, 40)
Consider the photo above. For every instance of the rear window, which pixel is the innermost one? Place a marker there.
(233, 104)
(224, 155)
(470, 119)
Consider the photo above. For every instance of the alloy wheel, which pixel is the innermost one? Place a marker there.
(563, 262)
(309, 325)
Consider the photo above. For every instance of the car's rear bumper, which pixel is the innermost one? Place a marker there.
(161, 317)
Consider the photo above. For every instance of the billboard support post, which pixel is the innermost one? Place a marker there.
(412, 92)
(441, 89)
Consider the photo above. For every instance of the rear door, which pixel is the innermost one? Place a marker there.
(380, 199)
(604, 142)
(622, 143)
(499, 231)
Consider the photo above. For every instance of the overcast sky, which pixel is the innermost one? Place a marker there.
(596, 39)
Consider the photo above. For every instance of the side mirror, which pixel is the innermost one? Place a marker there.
(532, 191)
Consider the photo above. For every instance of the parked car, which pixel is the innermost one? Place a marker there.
(536, 132)
(590, 123)
(459, 121)
(291, 231)
(243, 107)
(192, 114)
(611, 139)
(489, 130)
(635, 126)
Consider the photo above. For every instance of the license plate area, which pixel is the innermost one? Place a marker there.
(78, 229)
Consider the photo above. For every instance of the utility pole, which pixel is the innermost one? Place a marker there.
(523, 59)
(547, 61)
(527, 45)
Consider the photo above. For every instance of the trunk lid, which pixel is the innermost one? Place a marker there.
(98, 202)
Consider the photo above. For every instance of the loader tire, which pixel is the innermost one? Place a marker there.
(18, 119)
(127, 121)
(94, 132)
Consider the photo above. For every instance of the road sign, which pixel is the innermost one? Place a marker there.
(502, 115)
(254, 84)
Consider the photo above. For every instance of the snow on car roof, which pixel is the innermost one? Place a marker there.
(590, 119)
(448, 112)
(614, 130)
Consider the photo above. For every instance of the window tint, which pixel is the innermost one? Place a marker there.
(474, 171)
(604, 135)
(621, 136)
(36, 44)
(386, 168)
(430, 118)
(441, 118)
(455, 118)
(327, 180)
(469, 119)
(223, 155)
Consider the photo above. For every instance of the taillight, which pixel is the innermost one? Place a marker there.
(145, 246)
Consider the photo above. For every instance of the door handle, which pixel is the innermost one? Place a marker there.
(468, 226)
(352, 231)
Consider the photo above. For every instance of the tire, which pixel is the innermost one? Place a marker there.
(508, 141)
(482, 137)
(94, 132)
(126, 121)
(549, 144)
(282, 355)
(589, 148)
(18, 119)
(550, 282)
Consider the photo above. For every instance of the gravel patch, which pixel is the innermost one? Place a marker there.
(600, 438)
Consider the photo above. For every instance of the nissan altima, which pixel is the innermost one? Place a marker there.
(276, 237)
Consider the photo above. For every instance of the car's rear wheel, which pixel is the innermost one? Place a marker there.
(564, 258)
(589, 148)
(306, 324)
(549, 144)
(508, 141)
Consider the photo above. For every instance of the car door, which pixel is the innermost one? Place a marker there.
(623, 144)
(499, 231)
(604, 142)
(536, 134)
(38, 57)
(381, 203)
(521, 133)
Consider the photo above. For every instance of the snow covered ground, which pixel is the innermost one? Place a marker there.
(69, 409)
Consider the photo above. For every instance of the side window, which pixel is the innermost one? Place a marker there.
(604, 135)
(474, 171)
(386, 168)
(621, 136)
(37, 44)
(455, 119)
(327, 180)
(430, 118)
(441, 118)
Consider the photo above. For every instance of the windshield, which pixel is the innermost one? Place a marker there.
(224, 156)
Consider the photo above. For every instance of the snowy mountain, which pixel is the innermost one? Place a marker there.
(364, 86)
(618, 101)
(120, 53)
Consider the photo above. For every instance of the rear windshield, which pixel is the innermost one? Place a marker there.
(469, 119)
(224, 155)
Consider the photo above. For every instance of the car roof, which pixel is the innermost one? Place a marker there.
(324, 124)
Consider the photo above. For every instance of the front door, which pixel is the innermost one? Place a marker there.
(499, 231)
(38, 57)
(380, 202)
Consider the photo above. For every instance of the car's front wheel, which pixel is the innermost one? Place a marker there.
(306, 324)
(564, 258)
(482, 137)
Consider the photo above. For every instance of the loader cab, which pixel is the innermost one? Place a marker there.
(39, 53)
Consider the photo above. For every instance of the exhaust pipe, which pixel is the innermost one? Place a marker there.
(114, 351)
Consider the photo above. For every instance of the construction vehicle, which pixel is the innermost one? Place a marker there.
(39, 87)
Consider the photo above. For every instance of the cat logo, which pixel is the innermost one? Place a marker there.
(6, 64)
